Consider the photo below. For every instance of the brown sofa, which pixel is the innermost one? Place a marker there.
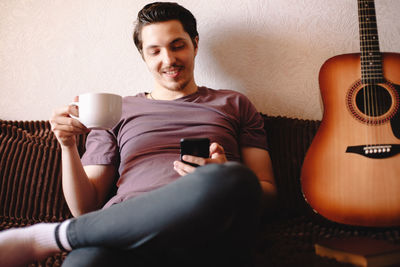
(30, 191)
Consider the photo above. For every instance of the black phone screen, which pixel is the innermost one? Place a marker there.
(199, 147)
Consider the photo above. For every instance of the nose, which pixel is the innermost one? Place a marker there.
(168, 57)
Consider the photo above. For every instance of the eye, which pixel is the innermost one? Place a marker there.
(154, 52)
(178, 46)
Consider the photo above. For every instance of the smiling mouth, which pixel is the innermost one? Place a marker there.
(172, 72)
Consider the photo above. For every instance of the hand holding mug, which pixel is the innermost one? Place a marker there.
(96, 111)
(99, 110)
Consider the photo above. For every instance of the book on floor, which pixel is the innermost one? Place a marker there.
(360, 251)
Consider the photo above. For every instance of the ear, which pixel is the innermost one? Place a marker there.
(196, 42)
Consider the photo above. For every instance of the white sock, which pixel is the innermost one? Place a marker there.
(62, 235)
(21, 246)
(43, 236)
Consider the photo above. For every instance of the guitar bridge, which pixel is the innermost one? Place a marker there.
(375, 151)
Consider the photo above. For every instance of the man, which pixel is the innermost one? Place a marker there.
(162, 204)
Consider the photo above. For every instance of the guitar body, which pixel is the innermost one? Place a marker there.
(341, 185)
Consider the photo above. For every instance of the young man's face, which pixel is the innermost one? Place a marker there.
(169, 54)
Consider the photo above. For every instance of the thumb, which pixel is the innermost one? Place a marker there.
(216, 148)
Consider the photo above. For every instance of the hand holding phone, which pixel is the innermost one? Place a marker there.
(199, 147)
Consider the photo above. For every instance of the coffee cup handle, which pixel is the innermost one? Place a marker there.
(74, 104)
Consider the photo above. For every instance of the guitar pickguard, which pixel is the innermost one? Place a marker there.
(395, 121)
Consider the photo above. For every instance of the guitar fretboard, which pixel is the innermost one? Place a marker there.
(371, 60)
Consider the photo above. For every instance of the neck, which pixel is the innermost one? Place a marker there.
(161, 93)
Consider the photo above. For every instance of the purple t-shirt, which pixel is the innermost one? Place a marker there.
(146, 142)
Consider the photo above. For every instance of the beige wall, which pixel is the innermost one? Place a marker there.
(271, 50)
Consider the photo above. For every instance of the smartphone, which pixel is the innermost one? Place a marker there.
(199, 147)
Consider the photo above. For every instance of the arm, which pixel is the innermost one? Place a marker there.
(85, 189)
(259, 161)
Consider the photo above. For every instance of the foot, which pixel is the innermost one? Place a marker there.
(19, 247)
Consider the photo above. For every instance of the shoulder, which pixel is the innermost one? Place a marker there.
(137, 97)
(226, 95)
(134, 102)
(221, 92)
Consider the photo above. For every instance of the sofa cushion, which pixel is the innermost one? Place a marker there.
(289, 140)
(30, 174)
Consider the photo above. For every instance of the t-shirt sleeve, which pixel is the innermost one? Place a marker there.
(252, 132)
(101, 149)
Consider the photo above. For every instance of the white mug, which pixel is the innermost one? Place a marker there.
(99, 110)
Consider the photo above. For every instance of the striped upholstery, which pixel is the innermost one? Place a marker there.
(289, 140)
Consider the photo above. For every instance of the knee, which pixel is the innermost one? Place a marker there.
(231, 177)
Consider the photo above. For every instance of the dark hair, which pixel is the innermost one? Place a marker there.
(160, 12)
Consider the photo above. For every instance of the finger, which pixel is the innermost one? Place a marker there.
(62, 111)
(68, 124)
(178, 168)
(183, 167)
(216, 148)
(179, 171)
(62, 116)
(68, 130)
(67, 120)
(73, 110)
(217, 152)
(193, 159)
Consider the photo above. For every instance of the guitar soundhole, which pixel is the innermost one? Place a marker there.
(373, 100)
(373, 103)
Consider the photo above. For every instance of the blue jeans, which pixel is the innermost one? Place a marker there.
(207, 218)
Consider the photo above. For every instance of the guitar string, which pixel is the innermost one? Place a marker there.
(364, 74)
(377, 69)
(371, 73)
(377, 97)
(376, 88)
(362, 44)
(375, 74)
(368, 67)
(372, 37)
(381, 104)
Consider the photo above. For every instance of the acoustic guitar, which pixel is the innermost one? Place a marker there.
(351, 172)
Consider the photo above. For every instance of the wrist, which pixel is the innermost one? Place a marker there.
(66, 142)
(66, 147)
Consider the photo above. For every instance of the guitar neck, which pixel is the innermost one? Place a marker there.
(371, 60)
